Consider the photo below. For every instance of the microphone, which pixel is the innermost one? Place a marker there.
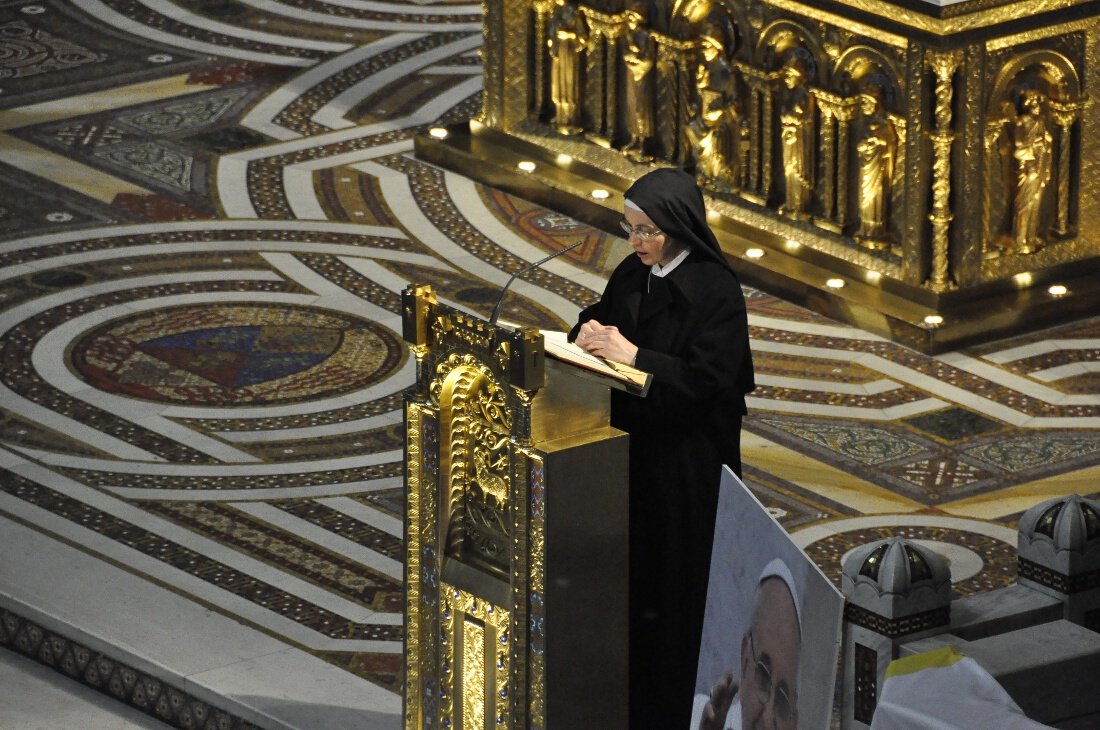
(524, 270)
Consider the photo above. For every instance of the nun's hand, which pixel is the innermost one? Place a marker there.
(718, 705)
(607, 342)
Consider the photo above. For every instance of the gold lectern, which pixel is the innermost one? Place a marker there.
(516, 531)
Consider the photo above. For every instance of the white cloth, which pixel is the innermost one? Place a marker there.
(733, 717)
(945, 690)
(658, 270)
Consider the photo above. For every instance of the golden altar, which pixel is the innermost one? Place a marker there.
(924, 170)
(516, 532)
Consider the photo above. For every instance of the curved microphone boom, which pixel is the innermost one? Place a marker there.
(524, 270)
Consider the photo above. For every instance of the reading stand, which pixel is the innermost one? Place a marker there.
(516, 550)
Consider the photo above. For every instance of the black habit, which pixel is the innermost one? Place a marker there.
(692, 333)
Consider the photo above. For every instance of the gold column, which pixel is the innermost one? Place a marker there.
(943, 65)
(672, 95)
(601, 97)
(1065, 116)
(844, 114)
(542, 10)
(767, 122)
(837, 113)
(993, 130)
(756, 138)
(830, 152)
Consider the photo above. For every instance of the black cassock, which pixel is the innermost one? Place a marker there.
(692, 334)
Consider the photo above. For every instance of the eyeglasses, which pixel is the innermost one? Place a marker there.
(642, 234)
(782, 707)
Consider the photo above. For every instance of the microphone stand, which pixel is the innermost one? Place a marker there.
(524, 270)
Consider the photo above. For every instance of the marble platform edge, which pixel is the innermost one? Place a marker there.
(251, 680)
(151, 695)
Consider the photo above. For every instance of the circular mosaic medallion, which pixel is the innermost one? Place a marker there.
(229, 355)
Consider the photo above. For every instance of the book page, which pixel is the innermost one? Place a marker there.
(558, 346)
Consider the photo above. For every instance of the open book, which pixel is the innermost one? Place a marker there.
(558, 346)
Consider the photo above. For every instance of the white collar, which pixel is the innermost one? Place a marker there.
(662, 271)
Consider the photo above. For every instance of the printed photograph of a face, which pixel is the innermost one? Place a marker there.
(772, 629)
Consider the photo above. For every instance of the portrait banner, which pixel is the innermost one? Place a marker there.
(772, 628)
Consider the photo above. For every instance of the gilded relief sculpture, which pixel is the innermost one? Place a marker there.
(796, 134)
(876, 152)
(638, 57)
(951, 182)
(1032, 152)
(715, 129)
(568, 40)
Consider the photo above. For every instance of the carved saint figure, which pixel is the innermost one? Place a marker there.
(1032, 145)
(796, 138)
(638, 59)
(568, 38)
(714, 129)
(876, 151)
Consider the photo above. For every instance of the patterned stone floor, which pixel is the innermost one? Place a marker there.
(207, 212)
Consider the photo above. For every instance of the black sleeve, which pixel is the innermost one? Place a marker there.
(715, 352)
(601, 309)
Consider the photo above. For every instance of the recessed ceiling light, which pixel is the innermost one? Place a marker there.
(835, 283)
(438, 132)
(526, 166)
(1058, 290)
(754, 253)
(933, 320)
(600, 194)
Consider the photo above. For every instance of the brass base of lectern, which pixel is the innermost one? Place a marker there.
(798, 273)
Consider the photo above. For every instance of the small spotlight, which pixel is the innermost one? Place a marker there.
(874, 276)
(438, 132)
(1058, 290)
(754, 253)
(835, 283)
(933, 320)
(793, 245)
(526, 166)
(1023, 279)
(600, 194)
(564, 159)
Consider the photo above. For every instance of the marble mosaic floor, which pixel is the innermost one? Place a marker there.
(208, 210)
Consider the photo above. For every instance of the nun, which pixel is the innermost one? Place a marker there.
(674, 308)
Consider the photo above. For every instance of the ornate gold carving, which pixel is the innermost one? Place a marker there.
(413, 617)
(639, 58)
(1031, 139)
(898, 13)
(474, 704)
(536, 587)
(1065, 115)
(1033, 153)
(816, 13)
(567, 40)
(796, 140)
(943, 65)
(877, 156)
(476, 665)
(924, 225)
(715, 127)
(476, 425)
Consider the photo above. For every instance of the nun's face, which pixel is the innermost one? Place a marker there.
(649, 243)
